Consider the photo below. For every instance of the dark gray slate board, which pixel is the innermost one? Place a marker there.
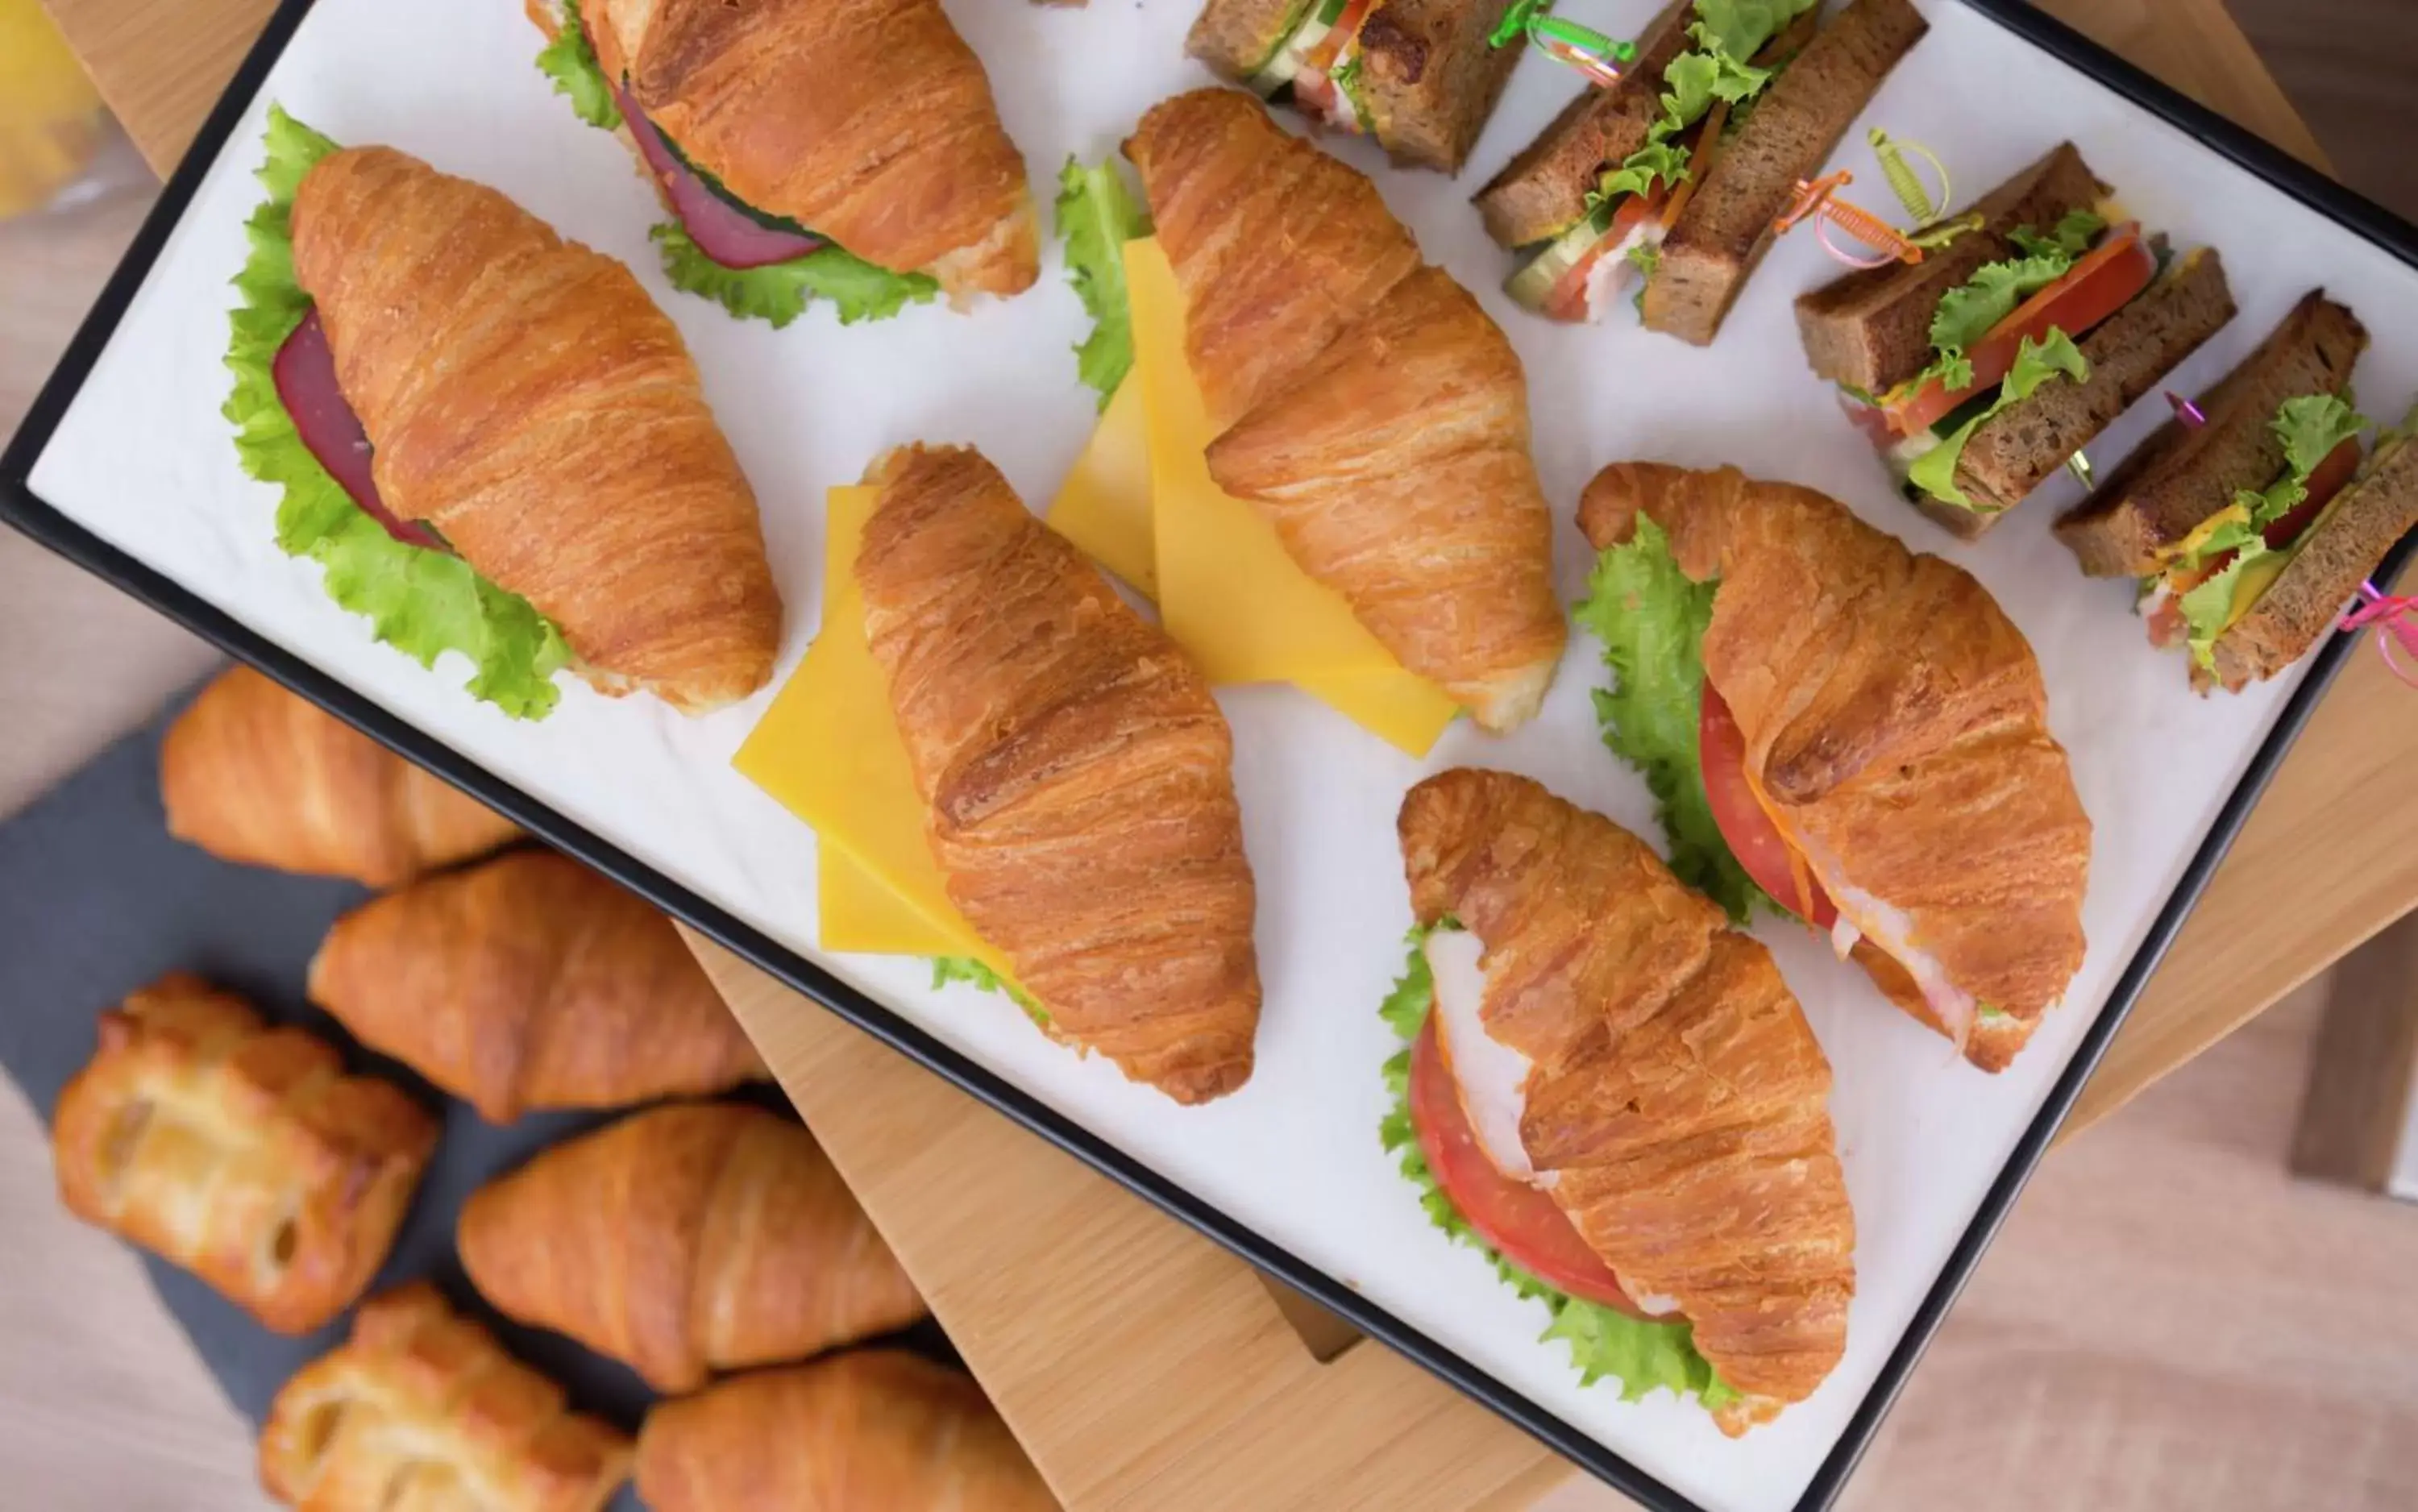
(97, 900)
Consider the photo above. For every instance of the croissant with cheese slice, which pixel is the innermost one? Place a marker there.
(1078, 776)
(1611, 1043)
(240, 1150)
(780, 128)
(252, 773)
(875, 1431)
(1891, 722)
(422, 1409)
(1369, 408)
(531, 411)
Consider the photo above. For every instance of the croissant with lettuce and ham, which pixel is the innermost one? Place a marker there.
(1369, 408)
(527, 400)
(1675, 1104)
(1896, 729)
(867, 122)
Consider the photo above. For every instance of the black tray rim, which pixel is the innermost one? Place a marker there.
(20, 508)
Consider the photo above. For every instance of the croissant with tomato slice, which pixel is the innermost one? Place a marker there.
(1370, 410)
(1617, 1046)
(1894, 731)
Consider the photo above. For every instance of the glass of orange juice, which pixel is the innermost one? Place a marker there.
(52, 121)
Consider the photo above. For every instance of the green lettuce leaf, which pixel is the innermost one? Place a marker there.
(2070, 239)
(1097, 217)
(1604, 1344)
(2036, 364)
(2207, 608)
(570, 61)
(948, 968)
(781, 292)
(1728, 33)
(2310, 426)
(1968, 313)
(421, 603)
(1650, 621)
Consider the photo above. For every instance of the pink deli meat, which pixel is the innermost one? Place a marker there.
(305, 372)
(721, 230)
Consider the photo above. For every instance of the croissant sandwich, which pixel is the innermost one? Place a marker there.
(841, 149)
(242, 1153)
(252, 773)
(1078, 777)
(530, 983)
(422, 1409)
(872, 1429)
(490, 438)
(1370, 410)
(685, 1240)
(1614, 1091)
(1858, 731)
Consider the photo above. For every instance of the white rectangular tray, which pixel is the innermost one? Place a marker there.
(129, 468)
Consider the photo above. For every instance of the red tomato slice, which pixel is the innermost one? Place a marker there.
(2106, 279)
(2333, 476)
(1521, 1222)
(1753, 839)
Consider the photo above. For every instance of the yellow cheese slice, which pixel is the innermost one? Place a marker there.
(828, 751)
(1104, 504)
(1214, 554)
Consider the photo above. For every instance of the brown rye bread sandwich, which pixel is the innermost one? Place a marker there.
(1418, 75)
(1700, 236)
(2183, 473)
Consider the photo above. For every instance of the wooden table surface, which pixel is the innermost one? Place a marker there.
(1058, 1286)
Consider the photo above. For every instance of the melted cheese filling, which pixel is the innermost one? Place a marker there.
(1490, 1077)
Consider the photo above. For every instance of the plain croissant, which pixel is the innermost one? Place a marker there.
(685, 1240)
(422, 1410)
(1370, 410)
(530, 982)
(871, 1432)
(1896, 721)
(253, 774)
(1677, 1099)
(1078, 776)
(241, 1152)
(867, 121)
(526, 398)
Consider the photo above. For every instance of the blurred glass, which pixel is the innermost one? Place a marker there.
(53, 125)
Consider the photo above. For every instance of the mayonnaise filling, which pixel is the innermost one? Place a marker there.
(1489, 1077)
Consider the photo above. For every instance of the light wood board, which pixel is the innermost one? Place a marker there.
(1144, 1366)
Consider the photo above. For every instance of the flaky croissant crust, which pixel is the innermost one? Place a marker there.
(1677, 1101)
(1894, 716)
(1369, 408)
(527, 398)
(867, 121)
(1078, 775)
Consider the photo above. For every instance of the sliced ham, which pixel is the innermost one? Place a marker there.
(721, 230)
(305, 372)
